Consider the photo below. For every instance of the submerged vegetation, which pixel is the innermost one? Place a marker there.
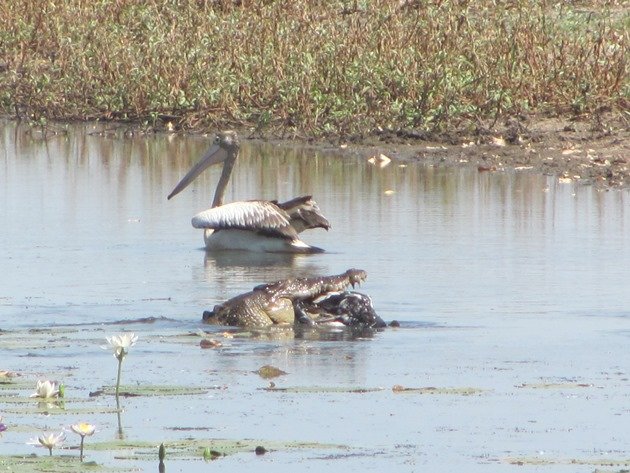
(311, 67)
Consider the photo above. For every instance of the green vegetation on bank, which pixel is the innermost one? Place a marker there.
(311, 67)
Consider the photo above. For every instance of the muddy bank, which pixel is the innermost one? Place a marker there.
(593, 152)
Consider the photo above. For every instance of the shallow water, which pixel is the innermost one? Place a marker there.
(512, 292)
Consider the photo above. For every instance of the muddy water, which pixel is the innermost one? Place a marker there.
(511, 289)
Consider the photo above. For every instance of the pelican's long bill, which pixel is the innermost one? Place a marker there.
(215, 155)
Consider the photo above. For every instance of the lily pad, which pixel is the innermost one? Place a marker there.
(156, 390)
(555, 385)
(567, 461)
(15, 383)
(322, 389)
(38, 400)
(54, 464)
(461, 391)
(195, 448)
(61, 410)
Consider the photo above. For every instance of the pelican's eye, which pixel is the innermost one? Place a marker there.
(216, 140)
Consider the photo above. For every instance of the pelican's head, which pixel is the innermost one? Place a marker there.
(227, 140)
(224, 148)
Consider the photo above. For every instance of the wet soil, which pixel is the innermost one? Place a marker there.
(593, 150)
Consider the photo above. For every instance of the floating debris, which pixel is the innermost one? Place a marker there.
(268, 372)
(380, 160)
(210, 343)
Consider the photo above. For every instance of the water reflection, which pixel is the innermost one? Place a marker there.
(221, 269)
(301, 332)
(242, 260)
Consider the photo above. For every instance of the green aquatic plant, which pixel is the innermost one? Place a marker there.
(161, 452)
(49, 441)
(210, 454)
(84, 430)
(120, 344)
(161, 456)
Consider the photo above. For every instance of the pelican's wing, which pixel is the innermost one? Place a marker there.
(258, 216)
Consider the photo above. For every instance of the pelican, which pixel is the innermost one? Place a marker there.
(253, 225)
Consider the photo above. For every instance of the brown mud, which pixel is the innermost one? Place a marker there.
(593, 151)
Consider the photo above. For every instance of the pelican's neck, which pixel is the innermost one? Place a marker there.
(228, 165)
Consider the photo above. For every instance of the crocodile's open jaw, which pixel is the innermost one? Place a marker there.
(356, 277)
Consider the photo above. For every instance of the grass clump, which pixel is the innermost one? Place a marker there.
(311, 67)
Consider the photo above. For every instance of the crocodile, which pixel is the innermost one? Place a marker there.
(296, 300)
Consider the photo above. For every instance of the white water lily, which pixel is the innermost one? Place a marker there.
(46, 390)
(121, 344)
(84, 430)
(49, 441)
